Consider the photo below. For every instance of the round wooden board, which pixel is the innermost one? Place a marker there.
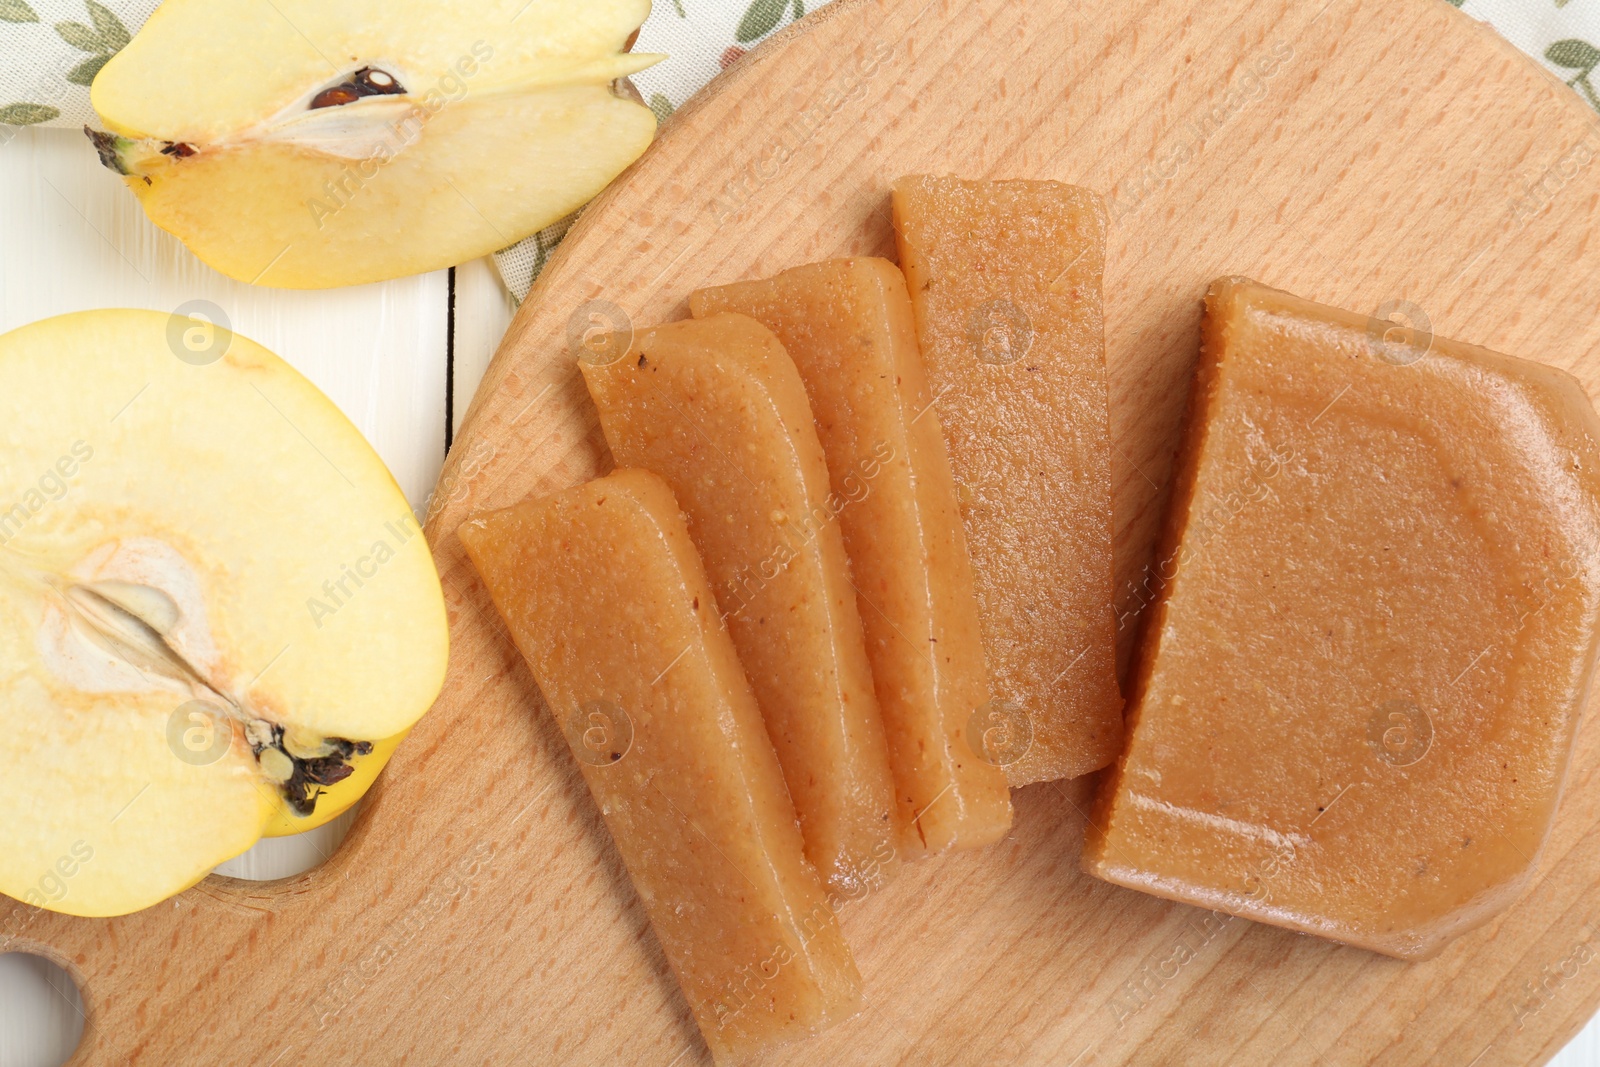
(1353, 153)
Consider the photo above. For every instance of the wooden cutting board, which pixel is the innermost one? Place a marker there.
(1355, 152)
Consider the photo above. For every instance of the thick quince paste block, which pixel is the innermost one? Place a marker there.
(1005, 280)
(716, 408)
(603, 593)
(848, 327)
(1358, 689)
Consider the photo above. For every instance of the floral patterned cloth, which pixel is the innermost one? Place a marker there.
(50, 50)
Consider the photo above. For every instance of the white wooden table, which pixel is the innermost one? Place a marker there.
(72, 238)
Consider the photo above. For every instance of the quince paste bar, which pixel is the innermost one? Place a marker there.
(603, 593)
(716, 408)
(1005, 282)
(848, 327)
(1359, 683)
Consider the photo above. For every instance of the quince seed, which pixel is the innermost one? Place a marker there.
(276, 765)
(261, 734)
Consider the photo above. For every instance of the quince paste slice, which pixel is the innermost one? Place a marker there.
(1357, 695)
(847, 324)
(716, 408)
(1005, 282)
(607, 600)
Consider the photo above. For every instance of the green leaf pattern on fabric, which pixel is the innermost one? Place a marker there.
(548, 238)
(17, 11)
(107, 37)
(101, 38)
(26, 114)
(83, 73)
(761, 19)
(1573, 53)
(113, 34)
(79, 36)
(1581, 56)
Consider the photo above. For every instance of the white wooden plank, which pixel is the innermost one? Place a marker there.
(483, 310)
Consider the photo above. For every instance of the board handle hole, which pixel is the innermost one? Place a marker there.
(285, 857)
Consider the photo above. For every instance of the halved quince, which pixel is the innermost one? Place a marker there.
(217, 612)
(307, 144)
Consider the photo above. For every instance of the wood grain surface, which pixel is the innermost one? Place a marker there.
(1354, 153)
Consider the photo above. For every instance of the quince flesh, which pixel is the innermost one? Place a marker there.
(217, 613)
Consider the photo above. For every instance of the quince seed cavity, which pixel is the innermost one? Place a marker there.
(302, 777)
(368, 81)
(148, 604)
(303, 747)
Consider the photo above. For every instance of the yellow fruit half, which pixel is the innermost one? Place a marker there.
(304, 144)
(218, 615)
